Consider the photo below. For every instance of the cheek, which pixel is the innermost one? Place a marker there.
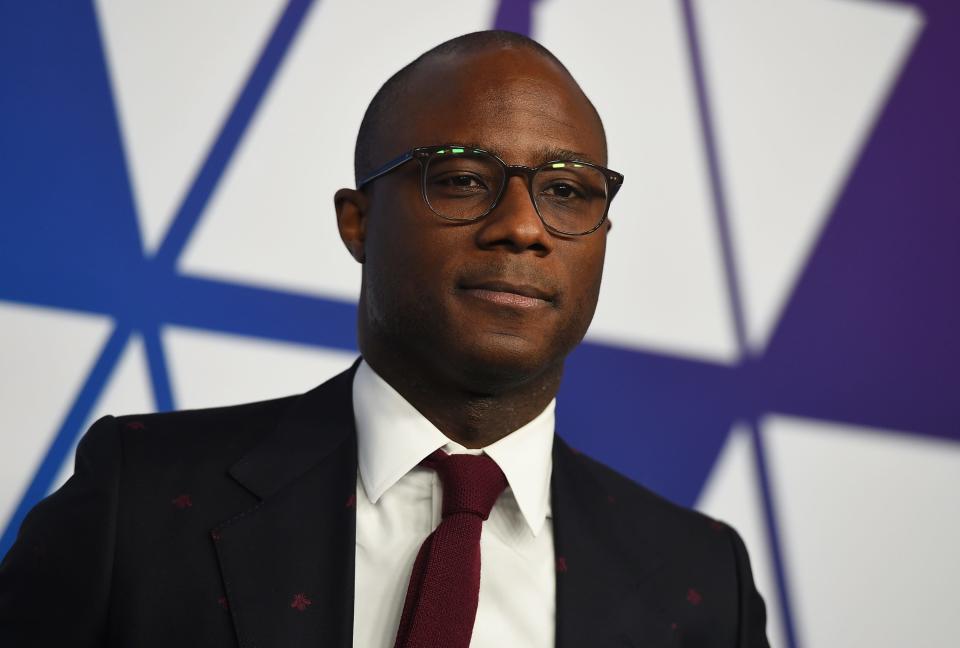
(404, 270)
(586, 265)
(584, 286)
(384, 265)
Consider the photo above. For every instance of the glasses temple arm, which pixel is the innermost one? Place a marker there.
(385, 169)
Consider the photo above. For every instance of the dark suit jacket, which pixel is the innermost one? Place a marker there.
(236, 526)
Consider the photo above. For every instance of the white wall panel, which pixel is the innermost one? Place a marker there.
(733, 494)
(212, 369)
(870, 526)
(663, 285)
(176, 67)
(46, 355)
(127, 391)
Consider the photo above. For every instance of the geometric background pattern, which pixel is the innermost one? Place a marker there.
(778, 336)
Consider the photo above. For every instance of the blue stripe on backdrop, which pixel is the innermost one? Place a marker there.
(63, 180)
(226, 143)
(57, 271)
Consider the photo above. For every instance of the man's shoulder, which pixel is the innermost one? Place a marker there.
(188, 424)
(682, 556)
(644, 506)
(182, 437)
(206, 440)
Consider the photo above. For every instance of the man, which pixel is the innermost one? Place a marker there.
(421, 498)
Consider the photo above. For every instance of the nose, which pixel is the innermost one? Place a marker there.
(514, 224)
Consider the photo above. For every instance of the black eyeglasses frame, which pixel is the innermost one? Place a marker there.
(422, 154)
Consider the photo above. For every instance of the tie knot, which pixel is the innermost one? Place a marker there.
(471, 483)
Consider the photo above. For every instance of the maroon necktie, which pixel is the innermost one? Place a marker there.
(441, 604)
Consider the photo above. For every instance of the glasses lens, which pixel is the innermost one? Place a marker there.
(571, 197)
(461, 184)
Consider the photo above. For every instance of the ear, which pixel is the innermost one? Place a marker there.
(351, 206)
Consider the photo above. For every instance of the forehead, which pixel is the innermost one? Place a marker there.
(514, 102)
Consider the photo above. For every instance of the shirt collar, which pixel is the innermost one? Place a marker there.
(393, 437)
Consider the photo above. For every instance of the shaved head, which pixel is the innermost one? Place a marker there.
(386, 110)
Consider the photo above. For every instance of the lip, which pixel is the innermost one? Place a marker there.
(508, 294)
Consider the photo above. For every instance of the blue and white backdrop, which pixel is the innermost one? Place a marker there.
(777, 338)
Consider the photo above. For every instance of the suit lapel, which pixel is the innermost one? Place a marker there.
(288, 563)
(604, 563)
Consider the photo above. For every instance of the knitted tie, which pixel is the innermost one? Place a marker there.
(441, 604)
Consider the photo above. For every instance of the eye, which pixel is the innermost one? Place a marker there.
(458, 183)
(562, 190)
(465, 181)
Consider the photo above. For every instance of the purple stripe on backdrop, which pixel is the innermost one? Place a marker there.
(871, 335)
(515, 16)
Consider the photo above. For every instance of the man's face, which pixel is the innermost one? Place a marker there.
(496, 302)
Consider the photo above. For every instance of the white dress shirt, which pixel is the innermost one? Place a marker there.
(399, 505)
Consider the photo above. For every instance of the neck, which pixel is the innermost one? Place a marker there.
(474, 417)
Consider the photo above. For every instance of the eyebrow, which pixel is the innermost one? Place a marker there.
(551, 154)
(542, 155)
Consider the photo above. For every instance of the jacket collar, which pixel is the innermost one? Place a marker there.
(318, 422)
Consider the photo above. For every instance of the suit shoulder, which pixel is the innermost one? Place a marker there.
(693, 551)
(199, 435)
(207, 419)
(629, 493)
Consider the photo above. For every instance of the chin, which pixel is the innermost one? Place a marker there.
(499, 364)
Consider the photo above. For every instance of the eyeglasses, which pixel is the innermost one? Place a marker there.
(465, 184)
